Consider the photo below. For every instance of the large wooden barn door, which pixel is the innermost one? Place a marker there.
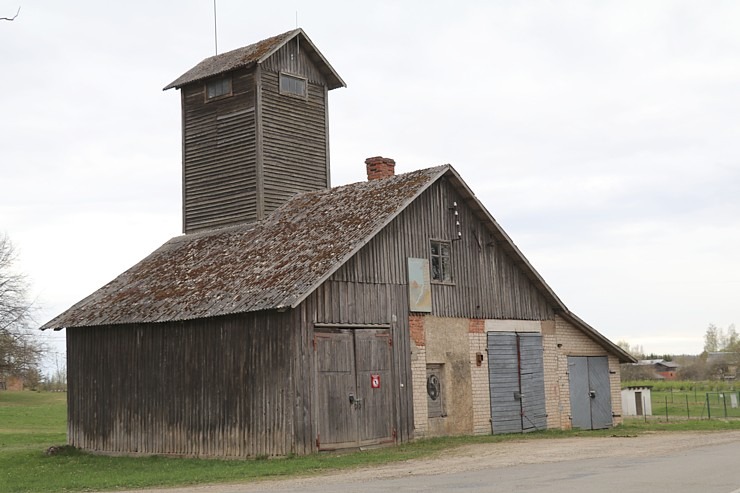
(590, 392)
(354, 384)
(517, 382)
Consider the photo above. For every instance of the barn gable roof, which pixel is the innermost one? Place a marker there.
(278, 262)
(271, 264)
(257, 53)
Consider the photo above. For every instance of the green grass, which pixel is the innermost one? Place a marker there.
(683, 385)
(30, 422)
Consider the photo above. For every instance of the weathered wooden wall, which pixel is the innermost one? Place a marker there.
(247, 153)
(225, 386)
(219, 155)
(486, 282)
(294, 141)
(294, 59)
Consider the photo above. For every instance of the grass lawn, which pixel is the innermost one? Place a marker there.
(31, 422)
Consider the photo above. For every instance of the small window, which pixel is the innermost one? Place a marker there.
(435, 405)
(292, 85)
(218, 87)
(441, 263)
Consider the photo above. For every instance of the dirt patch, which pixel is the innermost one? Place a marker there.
(490, 456)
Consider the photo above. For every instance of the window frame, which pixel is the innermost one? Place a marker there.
(286, 92)
(438, 258)
(220, 80)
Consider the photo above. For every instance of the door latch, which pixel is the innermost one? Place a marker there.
(592, 394)
(356, 402)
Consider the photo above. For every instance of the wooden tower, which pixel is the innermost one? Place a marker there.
(255, 130)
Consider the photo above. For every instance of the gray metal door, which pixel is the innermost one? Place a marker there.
(517, 382)
(354, 387)
(590, 392)
(534, 414)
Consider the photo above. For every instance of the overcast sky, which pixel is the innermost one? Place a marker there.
(603, 136)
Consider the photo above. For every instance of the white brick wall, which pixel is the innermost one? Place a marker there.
(481, 391)
(573, 342)
(419, 379)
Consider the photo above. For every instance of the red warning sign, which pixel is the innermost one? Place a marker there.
(375, 381)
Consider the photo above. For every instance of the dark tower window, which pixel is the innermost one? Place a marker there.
(218, 87)
(292, 85)
(441, 264)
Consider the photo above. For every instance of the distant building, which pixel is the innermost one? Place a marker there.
(637, 401)
(664, 370)
(723, 364)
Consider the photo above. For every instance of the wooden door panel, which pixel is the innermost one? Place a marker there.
(373, 358)
(336, 420)
(346, 362)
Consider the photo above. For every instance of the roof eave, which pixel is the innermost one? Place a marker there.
(618, 352)
(175, 85)
(509, 243)
(333, 79)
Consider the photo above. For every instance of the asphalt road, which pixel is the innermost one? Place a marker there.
(663, 462)
(714, 469)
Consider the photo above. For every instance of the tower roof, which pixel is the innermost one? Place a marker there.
(254, 54)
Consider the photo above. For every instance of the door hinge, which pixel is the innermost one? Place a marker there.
(390, 341)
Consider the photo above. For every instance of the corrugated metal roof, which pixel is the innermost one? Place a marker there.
(266, 265)
(255, 53)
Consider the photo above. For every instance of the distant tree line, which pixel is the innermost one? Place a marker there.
(720, 359)
(20, 350)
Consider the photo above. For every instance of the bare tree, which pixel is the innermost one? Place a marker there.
(20, 351)
(11, 18)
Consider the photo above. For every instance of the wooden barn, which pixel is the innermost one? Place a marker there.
(292, 317)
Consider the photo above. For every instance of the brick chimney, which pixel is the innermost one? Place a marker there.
(379, 167)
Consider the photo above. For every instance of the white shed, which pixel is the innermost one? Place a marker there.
(636, 401)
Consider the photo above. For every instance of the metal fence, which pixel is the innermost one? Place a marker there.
(723, 404)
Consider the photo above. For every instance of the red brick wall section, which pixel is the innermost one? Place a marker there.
(379, 167)
(477, 326)
(416, 327)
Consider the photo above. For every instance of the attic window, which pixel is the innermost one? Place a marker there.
(218, 87)
(292, 85)
(441, 261)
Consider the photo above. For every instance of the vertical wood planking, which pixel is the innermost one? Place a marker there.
(222, 390)
(487, 283)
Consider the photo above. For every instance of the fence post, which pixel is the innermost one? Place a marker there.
(666, 409)
(709, 409)
(688, 412)
(724, 400)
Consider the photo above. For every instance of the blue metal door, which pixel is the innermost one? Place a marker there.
(516, 381)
